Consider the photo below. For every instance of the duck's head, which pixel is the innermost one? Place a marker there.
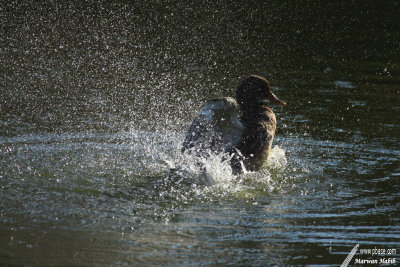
(255, 90)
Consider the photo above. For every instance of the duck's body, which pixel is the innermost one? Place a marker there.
(256, 141)
(248, 140)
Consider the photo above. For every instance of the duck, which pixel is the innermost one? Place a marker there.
(246, 139)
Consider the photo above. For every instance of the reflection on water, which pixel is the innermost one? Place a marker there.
(95, 101)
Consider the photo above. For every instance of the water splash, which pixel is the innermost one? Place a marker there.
(215, 174)
(277, 158)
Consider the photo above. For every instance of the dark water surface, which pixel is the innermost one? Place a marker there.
(96, 98)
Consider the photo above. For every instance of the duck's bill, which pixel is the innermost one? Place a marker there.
(276, 100)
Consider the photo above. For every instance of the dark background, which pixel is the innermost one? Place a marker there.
(64, 64)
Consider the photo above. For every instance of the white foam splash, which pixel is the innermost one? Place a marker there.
(215, 173)
(277, 159)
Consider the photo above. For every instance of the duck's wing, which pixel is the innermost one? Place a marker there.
(216, 128)
(199, 129)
